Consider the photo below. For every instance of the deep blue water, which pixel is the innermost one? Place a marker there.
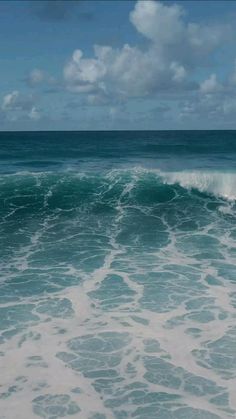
(118, 275)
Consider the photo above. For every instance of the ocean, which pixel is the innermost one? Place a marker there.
(118, 275)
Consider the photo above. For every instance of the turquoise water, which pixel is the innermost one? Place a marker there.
(118, 275)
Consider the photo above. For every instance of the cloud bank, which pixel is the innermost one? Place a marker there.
(16, 105)
(175, 50)
(174, 75)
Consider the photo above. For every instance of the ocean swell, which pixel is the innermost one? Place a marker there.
(137, 186)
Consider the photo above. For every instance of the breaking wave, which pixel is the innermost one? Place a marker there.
(65, 190)
(219, 184)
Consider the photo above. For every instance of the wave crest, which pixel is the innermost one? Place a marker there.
(221, 185)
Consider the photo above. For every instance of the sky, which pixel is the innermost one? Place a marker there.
(117, 64)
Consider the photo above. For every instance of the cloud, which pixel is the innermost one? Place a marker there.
(217, 108)
(53, 10)
(59, 10)
(232, 79)
(15, 101)
(176, 49)
(165, 68)
(38, 77)
(9, 100)
(123, 73)
(210, 85)
(34, 114)
(16, 105)
(179, 72)
(165, 26)
(158, 22)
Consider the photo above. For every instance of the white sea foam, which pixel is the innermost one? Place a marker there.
(222, 185)
(144, 324)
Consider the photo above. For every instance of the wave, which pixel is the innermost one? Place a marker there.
(219, 184)
(137, 186)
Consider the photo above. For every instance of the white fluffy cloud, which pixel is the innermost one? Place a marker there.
(166, 27)
(160, 23)
(167, 64)
(123, 73)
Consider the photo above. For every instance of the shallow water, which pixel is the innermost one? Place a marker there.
(118, 275)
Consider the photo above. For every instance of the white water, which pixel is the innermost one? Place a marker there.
(219, 184)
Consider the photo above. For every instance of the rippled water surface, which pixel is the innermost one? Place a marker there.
(118, 275)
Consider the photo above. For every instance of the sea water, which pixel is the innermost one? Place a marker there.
(118, 275)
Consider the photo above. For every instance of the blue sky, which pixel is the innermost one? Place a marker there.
(146, 64)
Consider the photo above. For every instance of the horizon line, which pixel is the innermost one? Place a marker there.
(119, 130)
